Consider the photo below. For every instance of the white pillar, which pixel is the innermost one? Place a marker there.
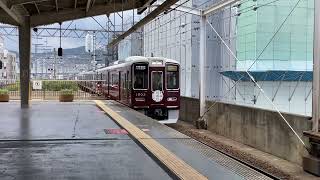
(316, 68)
(202, 63)
(24, 54)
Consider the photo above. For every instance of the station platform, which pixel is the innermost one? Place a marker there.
(87, 140)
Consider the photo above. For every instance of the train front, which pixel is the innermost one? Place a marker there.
(156, 89)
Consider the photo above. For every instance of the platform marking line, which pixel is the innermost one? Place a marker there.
(177, 166)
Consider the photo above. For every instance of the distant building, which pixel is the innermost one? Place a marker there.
(112, 53)
(7, 63)
(132, 45)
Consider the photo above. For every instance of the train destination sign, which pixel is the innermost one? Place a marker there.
(140, 68)
(172, 68)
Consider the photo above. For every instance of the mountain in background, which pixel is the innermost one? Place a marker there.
(79, 51)
(72, 55)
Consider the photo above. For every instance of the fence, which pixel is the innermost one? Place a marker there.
(50, 89)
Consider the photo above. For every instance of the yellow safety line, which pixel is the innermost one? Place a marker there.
(170, 160)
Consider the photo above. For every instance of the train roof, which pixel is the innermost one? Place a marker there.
(134, 59)
(85, 72)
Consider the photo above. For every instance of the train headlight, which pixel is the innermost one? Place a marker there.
(140, 99)
(171, 99)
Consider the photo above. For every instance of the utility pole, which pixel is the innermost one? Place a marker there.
(202, 123)
(316, 70)
(35, 58)
(47, 49)
(55, 63)
(311, 162)
(94, 55)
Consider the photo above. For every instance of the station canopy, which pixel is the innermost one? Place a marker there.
(43, 12)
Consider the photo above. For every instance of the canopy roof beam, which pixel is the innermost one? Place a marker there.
(88, 5)
(45, 12)
(57, 7)
(38, 10)
(16, 18)
(145, 6)
(20, 2)
(70, 14)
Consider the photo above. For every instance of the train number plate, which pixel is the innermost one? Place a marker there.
(140, 94)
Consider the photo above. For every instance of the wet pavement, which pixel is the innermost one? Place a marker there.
(54, 120)
(53, 140)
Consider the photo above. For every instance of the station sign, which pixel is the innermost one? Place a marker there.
(37, 85)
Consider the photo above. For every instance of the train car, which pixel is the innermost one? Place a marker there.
(147, 84)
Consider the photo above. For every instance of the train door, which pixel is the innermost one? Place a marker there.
(114, 85)
(128, 88)
(119, 86)
(124, 88)
(108, 84)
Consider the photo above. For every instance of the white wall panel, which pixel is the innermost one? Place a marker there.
(176, 36)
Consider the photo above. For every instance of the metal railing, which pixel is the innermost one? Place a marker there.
(50, 89)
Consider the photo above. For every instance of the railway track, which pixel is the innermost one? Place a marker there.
(250, 165)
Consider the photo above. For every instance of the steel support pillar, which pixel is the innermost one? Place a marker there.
(24, 54)
(202, 63)
(311, 162)
(316, 69)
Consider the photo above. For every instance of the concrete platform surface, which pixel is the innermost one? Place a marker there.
(81, 160)
(54, 120)
(206, 160)
(53, 140)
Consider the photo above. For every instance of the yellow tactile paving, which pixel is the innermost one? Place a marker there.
(170, 160)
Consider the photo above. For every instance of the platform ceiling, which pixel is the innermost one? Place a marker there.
(43, 12)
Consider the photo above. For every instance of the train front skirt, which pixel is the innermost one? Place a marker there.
(164, 116)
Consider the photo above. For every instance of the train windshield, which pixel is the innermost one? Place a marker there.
(172, 77)
(157, 80)
(140, 76)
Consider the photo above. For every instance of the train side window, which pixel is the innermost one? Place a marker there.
(108, 78)
(172, 72)
(140, 76)
(114, 79)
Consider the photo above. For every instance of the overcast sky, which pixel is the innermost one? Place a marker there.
(11, 42)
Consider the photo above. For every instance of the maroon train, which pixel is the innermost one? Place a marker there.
(147, 84)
